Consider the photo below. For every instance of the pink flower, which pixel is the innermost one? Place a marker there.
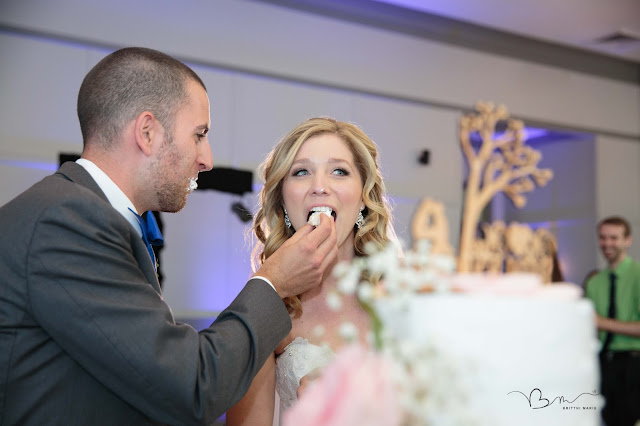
(356, 388)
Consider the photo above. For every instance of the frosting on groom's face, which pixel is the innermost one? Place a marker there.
(323, 177)
(193, 184)
(185, 152)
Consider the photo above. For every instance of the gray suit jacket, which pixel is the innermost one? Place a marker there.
(85, 337)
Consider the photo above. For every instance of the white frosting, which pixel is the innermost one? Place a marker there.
(504, 348)
(517, 284)
(193, 184)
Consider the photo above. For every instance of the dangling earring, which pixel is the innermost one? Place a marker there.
(286, 218)
(360, 219)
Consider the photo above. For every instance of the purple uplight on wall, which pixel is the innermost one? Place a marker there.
(531, 135)
(36, 165)
(444, 8)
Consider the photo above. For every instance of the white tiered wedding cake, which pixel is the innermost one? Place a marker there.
(507, 351)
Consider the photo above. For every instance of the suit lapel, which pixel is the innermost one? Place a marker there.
(77, 174)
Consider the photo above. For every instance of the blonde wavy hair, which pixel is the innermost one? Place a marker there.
(268, 224)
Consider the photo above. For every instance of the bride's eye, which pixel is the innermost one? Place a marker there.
(300, 172)
(341, 172)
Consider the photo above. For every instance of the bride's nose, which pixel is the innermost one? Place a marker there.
(320, 186)
(319, 190)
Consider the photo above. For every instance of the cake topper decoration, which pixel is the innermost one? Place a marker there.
(430, 223)
(500, 162)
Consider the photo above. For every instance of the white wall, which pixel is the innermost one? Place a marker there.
(267, 68)
(260, 37)
(618, 184)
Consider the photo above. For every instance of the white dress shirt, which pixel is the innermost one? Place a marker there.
(119, 200)
(116, 197)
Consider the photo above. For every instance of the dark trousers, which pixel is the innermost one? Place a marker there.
(620, 385)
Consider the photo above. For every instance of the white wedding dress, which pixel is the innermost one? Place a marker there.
(298, 359)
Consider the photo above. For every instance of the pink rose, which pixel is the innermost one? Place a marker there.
(356, 388)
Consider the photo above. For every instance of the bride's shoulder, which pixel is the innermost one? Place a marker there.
(294, 343)
(284, 344)
(299, 331)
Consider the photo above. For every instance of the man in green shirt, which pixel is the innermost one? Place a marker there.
(615, 292)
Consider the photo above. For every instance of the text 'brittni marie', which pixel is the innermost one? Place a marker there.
(537, 401)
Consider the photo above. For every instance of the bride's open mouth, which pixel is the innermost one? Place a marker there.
(313, 218)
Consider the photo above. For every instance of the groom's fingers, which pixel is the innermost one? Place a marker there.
(315, 237)
(319, 243)
(299, 264)
(326, 242)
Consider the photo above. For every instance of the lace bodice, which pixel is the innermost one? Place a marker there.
(297, 360)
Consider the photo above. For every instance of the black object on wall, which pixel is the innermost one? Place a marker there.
(63, 157)
(225, 179)
(242, 212)
(425, 157)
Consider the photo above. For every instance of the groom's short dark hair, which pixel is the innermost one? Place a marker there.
(126, 83)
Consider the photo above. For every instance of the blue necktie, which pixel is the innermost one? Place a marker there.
(150, 233)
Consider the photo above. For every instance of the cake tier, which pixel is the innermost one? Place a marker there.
(509, 360)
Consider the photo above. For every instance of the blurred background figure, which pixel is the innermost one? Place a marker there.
(615, 291)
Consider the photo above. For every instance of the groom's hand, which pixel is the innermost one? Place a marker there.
(299, 263)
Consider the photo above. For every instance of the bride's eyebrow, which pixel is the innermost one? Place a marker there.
(338, 160)
(301, 161)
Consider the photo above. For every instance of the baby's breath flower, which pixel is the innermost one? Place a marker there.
(341, 269)
(423, 373)
(423, 246)
(334, 300)
(365, 292)
(348, 331)
(349, 282)
(444, 263)
(370, 248)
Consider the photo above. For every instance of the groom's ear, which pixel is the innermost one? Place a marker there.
(148, 132)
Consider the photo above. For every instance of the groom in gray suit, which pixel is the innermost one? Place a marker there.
(85, 336)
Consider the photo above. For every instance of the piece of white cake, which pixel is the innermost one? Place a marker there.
(314, 219)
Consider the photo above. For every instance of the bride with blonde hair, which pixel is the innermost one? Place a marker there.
(331, 167)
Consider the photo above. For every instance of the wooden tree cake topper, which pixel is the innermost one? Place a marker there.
(502, 162)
